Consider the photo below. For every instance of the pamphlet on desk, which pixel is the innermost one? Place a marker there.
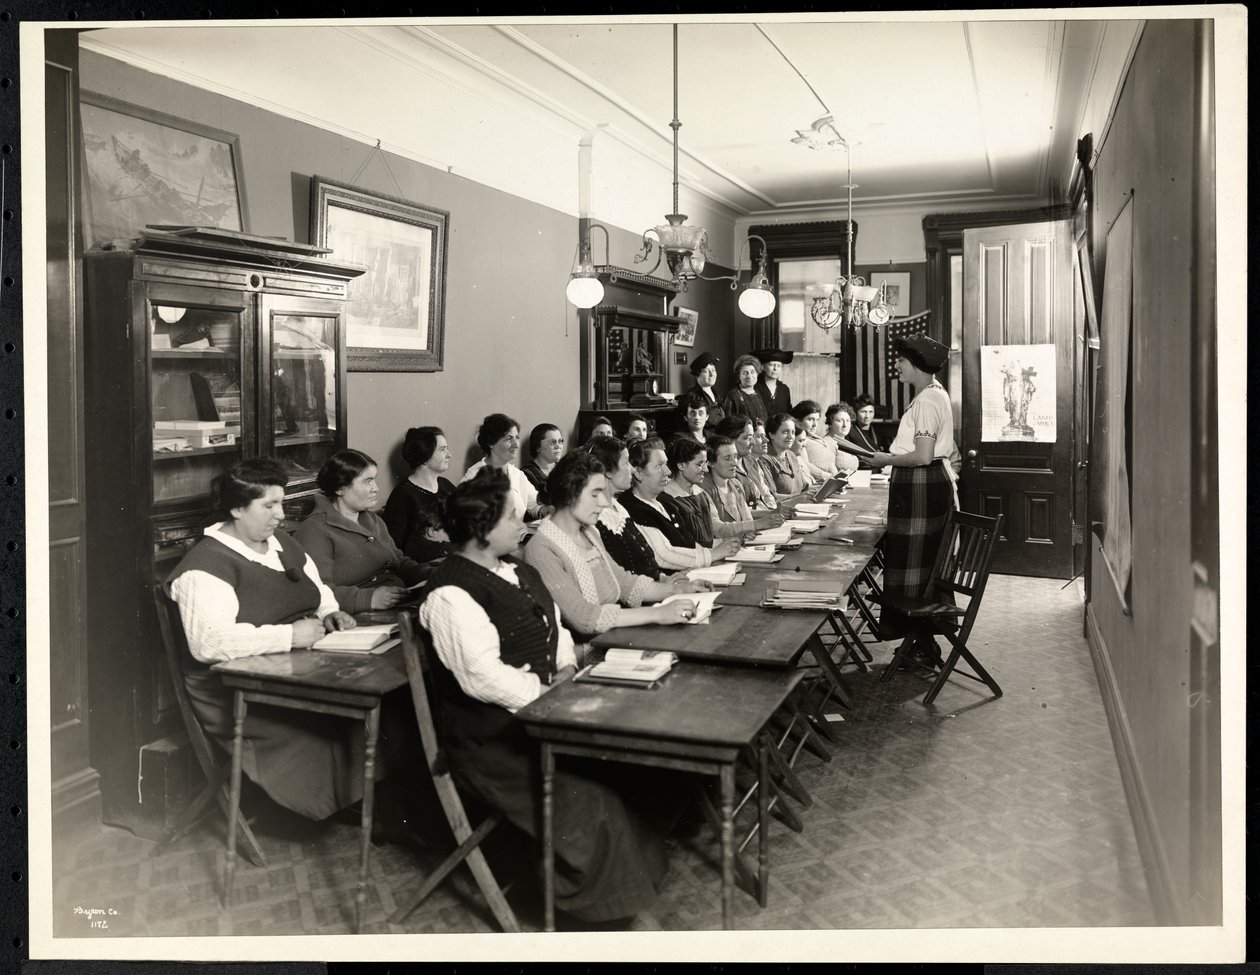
(628, 668)
(703, 604)
(722, 574)
(361, 639)
(757, 553)
(819, 509)
(779, 597)
(831, 486)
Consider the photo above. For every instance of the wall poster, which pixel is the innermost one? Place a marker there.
(1017, 393)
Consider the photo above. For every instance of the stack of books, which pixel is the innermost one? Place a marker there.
(774, 536)
(361, 639)
(198, 433)
(804, 593)
(632, 668)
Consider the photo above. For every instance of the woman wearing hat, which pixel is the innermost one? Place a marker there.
(704, 368)
(921, 491)
(775, 395)
(744, 400)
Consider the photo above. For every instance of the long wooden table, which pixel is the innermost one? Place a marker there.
(318, 682)
(699, 719)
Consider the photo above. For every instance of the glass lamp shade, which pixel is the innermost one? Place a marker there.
(584, 291)
(756, 301)
(169, 313)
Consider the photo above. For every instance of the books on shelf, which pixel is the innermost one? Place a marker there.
(722, 574)
(183, 425)
(639, 666)
(361, 639)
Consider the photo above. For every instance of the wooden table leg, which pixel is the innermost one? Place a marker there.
(371, 729)
(728, 843)
(234, 797)
(763, 822)
(549, 853)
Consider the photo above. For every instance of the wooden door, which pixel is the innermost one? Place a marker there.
(1017, 291)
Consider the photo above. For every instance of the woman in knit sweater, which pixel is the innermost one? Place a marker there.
(350, 543)
(593, 592)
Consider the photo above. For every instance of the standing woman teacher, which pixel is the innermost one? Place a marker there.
(921, 491)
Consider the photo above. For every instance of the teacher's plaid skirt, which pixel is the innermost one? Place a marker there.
(919, 502)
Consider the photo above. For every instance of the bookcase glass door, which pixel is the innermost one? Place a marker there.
(303, 407)
(194, 396)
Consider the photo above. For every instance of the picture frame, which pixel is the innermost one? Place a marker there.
(686, 335)
(396, 311)
(897, 284)
(145, 168)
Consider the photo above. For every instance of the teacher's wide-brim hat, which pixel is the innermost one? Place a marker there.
(773, 355)
(922, 351)
(702, 360)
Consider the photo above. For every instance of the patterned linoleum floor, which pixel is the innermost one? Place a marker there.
(970, 813)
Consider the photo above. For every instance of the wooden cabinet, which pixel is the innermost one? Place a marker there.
(628, 363)
(202, 348)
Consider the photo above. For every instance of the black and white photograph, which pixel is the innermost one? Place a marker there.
(393, 593)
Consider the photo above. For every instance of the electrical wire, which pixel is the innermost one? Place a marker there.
(794, 68)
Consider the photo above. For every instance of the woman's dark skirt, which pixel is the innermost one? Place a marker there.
(919, 502)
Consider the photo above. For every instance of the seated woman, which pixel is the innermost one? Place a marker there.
(744, 399)
(349, 542)
(413, 513)
(684, 496)
(758, 488)
(588, 585)
(695, 417)
(602, 427)
(620, 535)
(839, 419)
(790, 474)
(246, 589)
(636, 427)
(546, 446)
(825, 458)
(499, 438)
(761, 458)
(499, 645)
(732, 515)
(862, 431)
(673, 547)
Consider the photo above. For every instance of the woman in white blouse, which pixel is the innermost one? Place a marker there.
(496, 634)
(499, 437)
(246, 589)
(921, 491)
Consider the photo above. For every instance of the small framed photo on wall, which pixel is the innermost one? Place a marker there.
(686, 336)
(896, 285)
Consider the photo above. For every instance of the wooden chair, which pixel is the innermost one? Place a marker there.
(961, 570)
(214, 762)
(415, 649)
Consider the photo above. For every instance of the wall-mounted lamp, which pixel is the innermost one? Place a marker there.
(585, 289)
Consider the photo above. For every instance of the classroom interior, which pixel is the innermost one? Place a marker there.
(1089, 795)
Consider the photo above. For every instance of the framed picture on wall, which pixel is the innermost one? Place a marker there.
(896, 285)
(144, 168)
(396, 312)
(686, 336)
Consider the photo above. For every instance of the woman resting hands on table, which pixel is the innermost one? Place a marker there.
(246, 589)
(496, 634)
(594, 593)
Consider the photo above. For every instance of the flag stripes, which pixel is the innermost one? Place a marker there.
(877, 367)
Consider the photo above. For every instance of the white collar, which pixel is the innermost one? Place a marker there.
(236, 545)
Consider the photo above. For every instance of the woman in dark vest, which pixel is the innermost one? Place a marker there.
(620, 535)
(673, 548)
(683, 497)
(499, 645)
(246, 589)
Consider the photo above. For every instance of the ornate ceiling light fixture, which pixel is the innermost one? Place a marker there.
(851, 302)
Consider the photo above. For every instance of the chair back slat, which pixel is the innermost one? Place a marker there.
(175, 644)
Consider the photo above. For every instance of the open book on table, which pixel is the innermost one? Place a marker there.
(625, 666)
(703, 602)
(757, 553)
(774, 536)
(722, 574)
(362, 639)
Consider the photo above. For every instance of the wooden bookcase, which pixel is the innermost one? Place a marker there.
(188, 325)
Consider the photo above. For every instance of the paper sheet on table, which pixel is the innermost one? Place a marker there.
(803, 525)
(773, 536)
(860, 479)
(814, 509)
(703, 602)
(757, 553)
(718, 575)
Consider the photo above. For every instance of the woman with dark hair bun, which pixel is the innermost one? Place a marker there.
(349, 541)
(499, 438)
(546, 446)
(499, 645)
(684, 496)
(413, 513)
(861, 431)
(588, 585)
(247, 589)
(618, 531)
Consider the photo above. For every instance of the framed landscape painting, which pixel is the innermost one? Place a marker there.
(396, 311)
(143, 168)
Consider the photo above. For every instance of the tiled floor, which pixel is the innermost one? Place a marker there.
(971, 813)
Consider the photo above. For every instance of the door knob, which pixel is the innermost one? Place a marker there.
(971, 455)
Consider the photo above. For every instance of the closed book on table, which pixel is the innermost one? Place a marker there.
(361, 639)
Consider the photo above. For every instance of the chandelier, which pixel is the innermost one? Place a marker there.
(685, 249)
(851, 302)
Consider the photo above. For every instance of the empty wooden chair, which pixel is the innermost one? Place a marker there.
(961, 570)
(415, 649)
(215, 763)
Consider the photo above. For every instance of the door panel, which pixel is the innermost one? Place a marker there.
(1017, 290)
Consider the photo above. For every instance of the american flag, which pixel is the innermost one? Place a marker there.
(877, 367)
